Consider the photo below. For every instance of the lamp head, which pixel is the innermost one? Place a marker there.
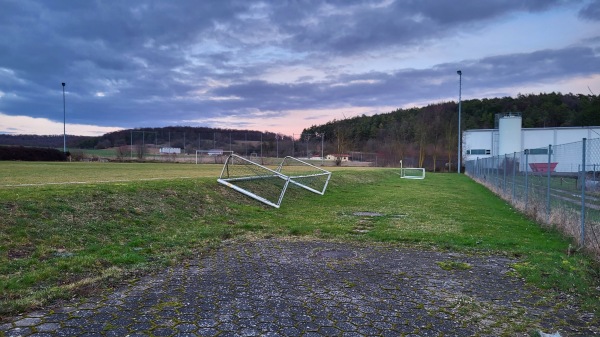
(459, 73)
(63, 84)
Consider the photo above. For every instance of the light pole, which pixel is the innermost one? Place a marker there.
(64, 121)
(459, 111)
(322, 140)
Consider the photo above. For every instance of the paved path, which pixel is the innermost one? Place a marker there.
(316, 288)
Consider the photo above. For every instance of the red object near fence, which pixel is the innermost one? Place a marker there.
(542, 167)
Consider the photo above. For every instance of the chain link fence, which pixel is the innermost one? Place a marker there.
(202, 147)
(265, 148)
(557, 186)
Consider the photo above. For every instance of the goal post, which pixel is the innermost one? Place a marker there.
(269, 186)
(411, 172)
(211, 153)
(254, 180)
(305, 175)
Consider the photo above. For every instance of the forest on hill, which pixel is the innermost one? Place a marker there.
(53, 141)
(427, 136)
(187, 138)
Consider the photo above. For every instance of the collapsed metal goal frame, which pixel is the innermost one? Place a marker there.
(290, 170)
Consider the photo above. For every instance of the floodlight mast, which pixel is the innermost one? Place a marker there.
(459, 111)
(64, 121)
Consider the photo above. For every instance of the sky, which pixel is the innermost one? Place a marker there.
(277, 65)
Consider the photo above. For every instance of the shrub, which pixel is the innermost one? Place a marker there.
(31, 154)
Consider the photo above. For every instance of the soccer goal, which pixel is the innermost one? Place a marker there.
(305, 175)
(254, 180)
(202, 155)
(411, 172)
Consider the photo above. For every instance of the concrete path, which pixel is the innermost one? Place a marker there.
(316, 288)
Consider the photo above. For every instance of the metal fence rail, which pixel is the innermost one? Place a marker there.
(557, 186)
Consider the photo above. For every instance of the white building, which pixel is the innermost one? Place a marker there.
(510, 137)
(341, 157)
(170, 150)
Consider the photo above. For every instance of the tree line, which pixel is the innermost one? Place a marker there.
(31, 154)
(428, 136)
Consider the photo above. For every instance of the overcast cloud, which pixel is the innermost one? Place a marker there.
(279, 65)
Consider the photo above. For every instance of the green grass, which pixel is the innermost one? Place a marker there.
(58, 240)
(17, 173)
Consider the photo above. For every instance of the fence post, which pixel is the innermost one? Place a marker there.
(526, 177)
(504, 172)
(583, 194)
(498, 171)
(548, 190)
(514, 170)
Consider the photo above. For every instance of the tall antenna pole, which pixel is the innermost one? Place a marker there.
(64, 121)
(459, 111)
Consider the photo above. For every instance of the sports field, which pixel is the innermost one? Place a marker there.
(40, 173)
(72, 228)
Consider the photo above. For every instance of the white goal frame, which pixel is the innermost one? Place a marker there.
(230, 181)
(420, 173)
(318, 172)
(299, 170)
(419, 170)
(207, 153)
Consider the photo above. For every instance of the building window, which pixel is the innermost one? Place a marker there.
(479, 151)
(539, 151)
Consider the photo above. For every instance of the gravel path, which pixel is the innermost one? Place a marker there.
(317, 288)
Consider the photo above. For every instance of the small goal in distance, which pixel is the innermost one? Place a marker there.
(215, 153)
(412, 172)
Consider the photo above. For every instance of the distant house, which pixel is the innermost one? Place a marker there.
(342, 157)
(168, 150)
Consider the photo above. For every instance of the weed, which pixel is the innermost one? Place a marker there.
(454, 265)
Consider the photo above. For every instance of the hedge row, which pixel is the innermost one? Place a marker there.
(31, 154)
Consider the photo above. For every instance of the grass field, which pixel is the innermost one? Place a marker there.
(61, 239)
(19, 173)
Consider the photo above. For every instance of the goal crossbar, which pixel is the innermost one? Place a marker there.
(306, 171)
(212, 153)
(412, 173)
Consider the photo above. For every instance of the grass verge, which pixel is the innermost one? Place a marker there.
(60, 240)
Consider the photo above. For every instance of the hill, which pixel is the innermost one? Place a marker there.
(53, 141)
(184, 137)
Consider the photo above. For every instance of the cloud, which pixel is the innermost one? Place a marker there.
(342, 27)
(22, 125)
(286, 122)
(152, 63)
(591, 11)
